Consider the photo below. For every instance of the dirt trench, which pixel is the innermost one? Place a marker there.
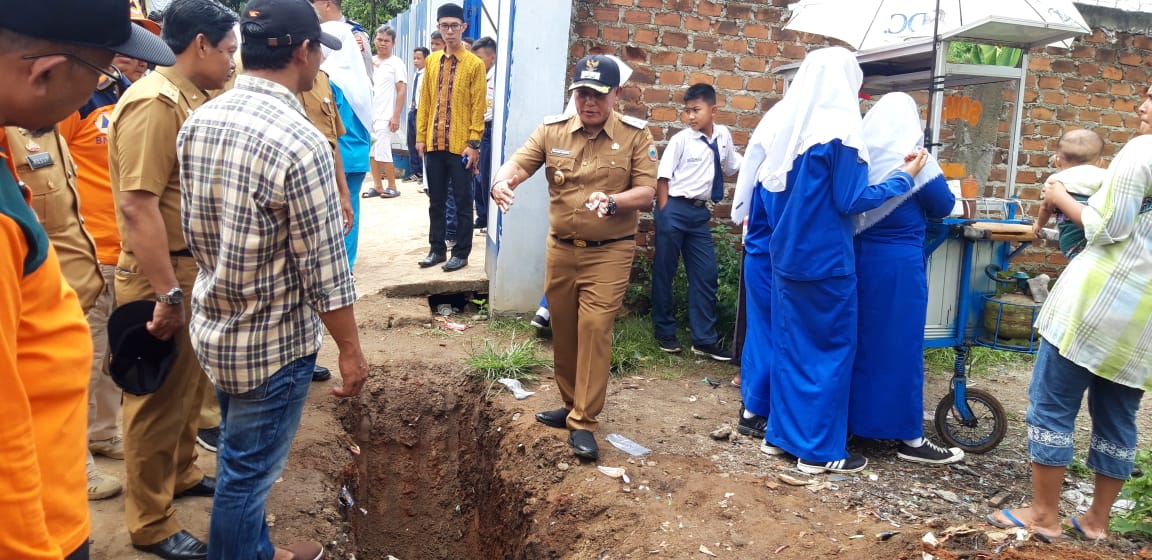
(432, 475)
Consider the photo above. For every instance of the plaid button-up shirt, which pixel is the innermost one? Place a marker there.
(261, 215)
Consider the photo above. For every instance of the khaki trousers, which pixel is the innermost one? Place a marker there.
(209, 407)
(160, 429)
(585, 288)
(103, 394)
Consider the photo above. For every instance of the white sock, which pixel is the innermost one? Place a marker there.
(914, 442)
(748, 414)
(543, 312)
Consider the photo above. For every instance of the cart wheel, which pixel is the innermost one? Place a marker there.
(980, 435)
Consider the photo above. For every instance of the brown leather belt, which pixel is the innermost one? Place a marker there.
(585, 243)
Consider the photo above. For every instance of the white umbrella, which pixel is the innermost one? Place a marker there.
(867, 24)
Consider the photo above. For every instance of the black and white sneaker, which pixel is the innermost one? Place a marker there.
(929, 453)
(713, 351)
(542, 319)
(669, 345)
(208, 438)
(752, 427)
(854, 463)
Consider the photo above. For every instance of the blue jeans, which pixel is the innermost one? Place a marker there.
(258, 429)
(1054, 396)
(682, 229)
(352, 238)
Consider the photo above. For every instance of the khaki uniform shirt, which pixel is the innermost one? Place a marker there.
(620, 157)
(45, 165)
(142, 145)
(320, 107)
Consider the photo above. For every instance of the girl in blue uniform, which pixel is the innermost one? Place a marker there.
(887, 398)
(808, 156)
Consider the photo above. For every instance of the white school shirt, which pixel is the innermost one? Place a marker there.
(388, 73)
(491, 96)
(688, 162)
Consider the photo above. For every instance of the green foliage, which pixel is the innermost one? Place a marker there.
(960, 52)
(981, 360)
(518, 361)
(1138, 520)
(361, 11)
(634, 346)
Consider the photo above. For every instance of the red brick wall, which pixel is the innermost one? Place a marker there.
(671, 44)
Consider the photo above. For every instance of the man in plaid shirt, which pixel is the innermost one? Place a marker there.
(261, 216)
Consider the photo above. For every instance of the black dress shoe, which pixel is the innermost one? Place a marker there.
(321, 373)
(206, 487)
(584, 445)
(179, 546)
(432, 259)
(454, 264)
(555, 418)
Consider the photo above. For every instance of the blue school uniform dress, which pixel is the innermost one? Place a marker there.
(892, 286)
(756, 353)
(813, 316)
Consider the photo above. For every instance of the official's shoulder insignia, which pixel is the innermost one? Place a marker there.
(634, 122)
(553, 119)
(170, 91)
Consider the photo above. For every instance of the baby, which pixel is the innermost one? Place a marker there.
(1078, 160)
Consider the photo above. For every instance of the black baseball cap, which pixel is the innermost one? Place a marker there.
(283, 23)
(596, 72)
(139, 361)
(92, 23)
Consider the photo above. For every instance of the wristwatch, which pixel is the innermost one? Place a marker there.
(611, 206)
(175, 296)
(474, 144)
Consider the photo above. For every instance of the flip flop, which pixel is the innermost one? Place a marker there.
(370, 193)
(390, 193)
(1013, 522)
(1078, 531)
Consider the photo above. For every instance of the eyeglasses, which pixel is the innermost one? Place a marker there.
(114, 77)
(450, 26)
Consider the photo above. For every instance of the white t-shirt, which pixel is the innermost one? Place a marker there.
(389, 72)
(689, 165)
(491, 97)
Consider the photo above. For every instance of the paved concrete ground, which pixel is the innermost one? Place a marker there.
(394, 237)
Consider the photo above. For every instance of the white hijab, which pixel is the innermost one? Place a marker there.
(892, 129)
(821, 105)
(625, 73)
(345, 68)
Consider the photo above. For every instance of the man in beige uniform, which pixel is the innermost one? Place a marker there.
(46, 166)
(601, 171)
(155, 264)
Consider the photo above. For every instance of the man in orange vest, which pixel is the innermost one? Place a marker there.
(52, 53)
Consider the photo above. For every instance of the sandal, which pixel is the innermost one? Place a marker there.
(1074, 529)
(390, 193)
(370, 193)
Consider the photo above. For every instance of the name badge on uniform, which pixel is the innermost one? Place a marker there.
(559, 152)
(40, 161)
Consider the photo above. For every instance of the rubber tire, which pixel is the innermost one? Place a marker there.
(1000, 419)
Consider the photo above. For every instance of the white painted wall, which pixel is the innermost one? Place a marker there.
(531, 72)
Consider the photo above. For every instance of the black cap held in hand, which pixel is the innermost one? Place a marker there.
(92, 23)
(596, 72)
(283, 23)
(139, 362)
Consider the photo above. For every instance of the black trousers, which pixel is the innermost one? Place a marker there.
(80, 553)
(439, 168)
(416, 166)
